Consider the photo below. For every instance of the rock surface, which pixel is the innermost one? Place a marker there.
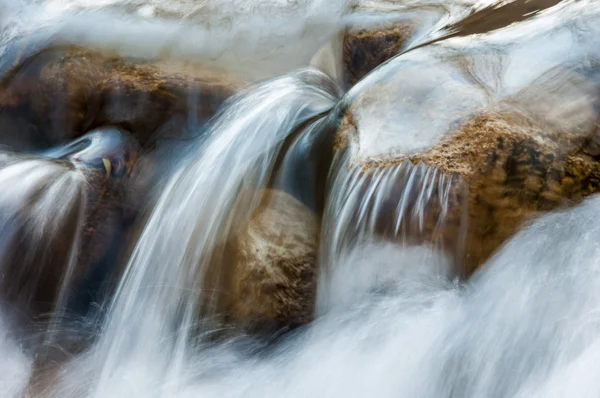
(367, 48)
(381, 30)
(65, 91)
(272, 282)
(466, 108)
(66, 217)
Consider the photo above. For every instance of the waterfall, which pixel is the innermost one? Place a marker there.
(168, 270)
(401, 204)
(117, 254)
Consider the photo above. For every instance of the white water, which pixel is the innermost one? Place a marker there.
(396, 322)
(254, 39)
(169, 265)
(527, 325)
(39, 196)
(397, 205)
(431, 90)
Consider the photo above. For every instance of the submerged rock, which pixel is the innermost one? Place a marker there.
(520, 142)
(272, 282)
(62, 220)
(64, 91)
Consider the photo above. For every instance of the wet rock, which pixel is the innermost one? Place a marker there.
(107, 161)
(367, 48)
(521, 143)
(513, 169)
(40, 224)
(378, 31)
(273, 279)
(512, 175)
(64, 91)
(62, 221)
(497, 16)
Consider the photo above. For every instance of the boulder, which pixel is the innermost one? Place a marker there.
(512, 168)
(64, 91)
(271, 283)
(519, 143)
(62, 220)
(378, 31)
(367, 48)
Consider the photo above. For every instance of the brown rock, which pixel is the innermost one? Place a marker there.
(512, 175)
(367, 48)
(65, 91)
(397, 28)
(61, 219)
(272, 282)
(513, 169)
(520, 143)
(40, 231)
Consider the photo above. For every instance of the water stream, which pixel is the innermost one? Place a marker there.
(395, 313)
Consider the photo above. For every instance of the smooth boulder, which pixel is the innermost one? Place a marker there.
(57, 93)
(521, 143)
(271, 283)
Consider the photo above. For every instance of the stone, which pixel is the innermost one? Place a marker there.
(65, 91)
(63, 220)
(367, 48)
(272, 282)
(466, 109)
(378, 31)
(513, 170)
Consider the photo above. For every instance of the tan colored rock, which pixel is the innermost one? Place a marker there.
(513, 169)
(272, 282)
(520, 135)
(393, 27)
(512, 175)
(65, 91)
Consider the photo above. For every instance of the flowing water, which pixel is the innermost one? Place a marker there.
(395, 315)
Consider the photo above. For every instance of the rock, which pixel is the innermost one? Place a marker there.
(65, 91)
(378, 31)
(497, 16)
(513, 170)
(520, 143)
(272, 283)
(41, 218)
(107, 163)
(512, 175)
(64, 219)
(367, 48)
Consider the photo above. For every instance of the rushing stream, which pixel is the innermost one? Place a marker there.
(257, 224)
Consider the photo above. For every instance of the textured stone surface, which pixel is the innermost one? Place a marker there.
(65, 91)
(513, 168)
(367, 48)
(272, 283)
(517, 130)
